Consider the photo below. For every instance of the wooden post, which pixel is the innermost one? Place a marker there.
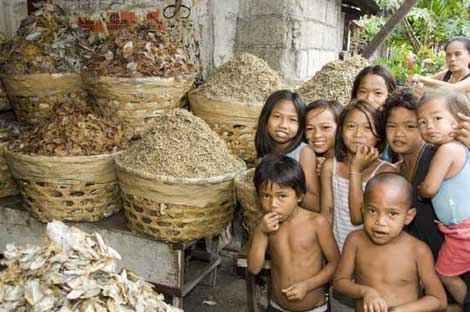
(389, 26)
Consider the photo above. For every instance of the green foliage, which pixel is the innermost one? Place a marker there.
(433, 23)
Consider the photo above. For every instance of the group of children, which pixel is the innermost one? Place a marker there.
(354, 218)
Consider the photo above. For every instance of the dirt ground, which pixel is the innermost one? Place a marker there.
(229, 294)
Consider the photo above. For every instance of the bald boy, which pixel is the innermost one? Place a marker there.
(383, 267)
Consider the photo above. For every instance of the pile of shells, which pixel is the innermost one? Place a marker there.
(73, 272)
(334, 81)
(46, 42)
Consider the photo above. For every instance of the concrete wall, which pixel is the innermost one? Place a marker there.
(296, 37)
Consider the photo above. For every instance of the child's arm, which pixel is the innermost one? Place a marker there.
(311, 199)
(363, 159)
(343, 279)
(326, 198)
(259, 242)
(434, 295)
(438, 169)
(329, 249)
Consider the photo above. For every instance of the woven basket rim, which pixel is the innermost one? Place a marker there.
(61, 158)
(243, 174)
(55, 75)
(224, 99)
(181, 78)
(176, 180)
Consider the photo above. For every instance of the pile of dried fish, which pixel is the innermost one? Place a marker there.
(10, 130)
(74, 272)
(143, 49)
(246, 78)
(71, 131)
(47, 43)
(333, 81)
(181, 145)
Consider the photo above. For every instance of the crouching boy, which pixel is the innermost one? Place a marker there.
(383, 267)
(299, 240)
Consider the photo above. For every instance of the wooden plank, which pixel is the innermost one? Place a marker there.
(389, 26)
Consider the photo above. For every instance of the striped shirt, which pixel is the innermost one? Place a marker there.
(342, 225)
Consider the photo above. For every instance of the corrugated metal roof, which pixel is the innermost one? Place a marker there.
(366, 6)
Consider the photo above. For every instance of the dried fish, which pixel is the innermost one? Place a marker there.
(334, 81)
(143, 49)
(71, 131)
(47, 42)
(246, 78)
(24, 289)
(181, 145)
(10, 130)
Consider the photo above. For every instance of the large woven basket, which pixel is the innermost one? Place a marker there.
(34, 96)
(7, 184)
(80, 188)
(135, 102)
(176, 209)
(235, 122)
(248, 199)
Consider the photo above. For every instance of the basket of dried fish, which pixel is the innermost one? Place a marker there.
(64, 168)
(74, 271)
(8, 131)
(333, 81)
(232, 99)
(177, 181)
(34, 96)
(138, 74)
(246, 195)
(41, 63)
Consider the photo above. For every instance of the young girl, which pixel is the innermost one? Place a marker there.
(344, 177)
(373, 84)
(321, 122)
(280, 130)
(447, 183)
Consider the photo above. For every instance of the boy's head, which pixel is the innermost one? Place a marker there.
(388, 198)
(280, 184)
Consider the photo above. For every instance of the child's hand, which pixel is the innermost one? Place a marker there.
(320, 161)
(364, 156)
(373, 302)
(296, 291)
(270, 222)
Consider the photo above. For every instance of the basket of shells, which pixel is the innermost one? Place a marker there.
(177, 181)
(138, 74)
(64, 166)
(232, 99)
(42, 62)
(9, 131)
(248, 199)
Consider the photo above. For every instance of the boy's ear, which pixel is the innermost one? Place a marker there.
(410, 215)
(300, 198)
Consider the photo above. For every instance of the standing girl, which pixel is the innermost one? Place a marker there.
(373, 84)
(344, 176)
(280, 130)
(321, 121)
(447, 184)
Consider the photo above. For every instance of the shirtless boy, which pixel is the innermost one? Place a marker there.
(382, 266)
(298, 239)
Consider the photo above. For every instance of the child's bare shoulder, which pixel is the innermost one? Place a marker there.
(314, 218)
(418, 247)
(357, 237)
(451, 147)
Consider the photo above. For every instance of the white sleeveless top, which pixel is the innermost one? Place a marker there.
(295, 154)
(342, 225)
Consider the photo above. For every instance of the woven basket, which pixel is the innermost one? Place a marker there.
(248, 199)
(135, 102)
(7, 184)
(80, 188)
(176, 209)
(35, 96)
(234, 122)
(4, 101)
